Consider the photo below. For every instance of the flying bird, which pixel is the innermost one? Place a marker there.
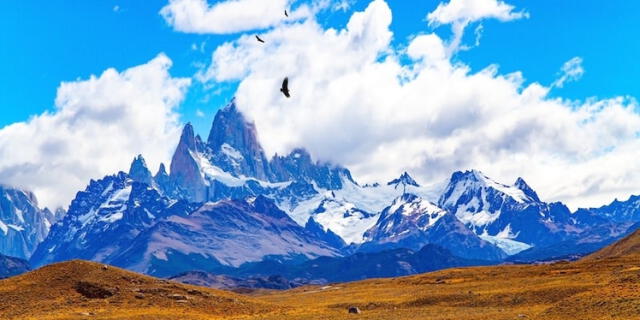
(259, 40)
(285, 88)
(286, 13)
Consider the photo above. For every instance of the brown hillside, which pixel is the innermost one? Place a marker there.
(602, 289)
(86, 290)
(630, 245)
(590, 289)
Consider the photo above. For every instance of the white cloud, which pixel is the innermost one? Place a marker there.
(342, 5)
(572, 70)
(230, 16)
(116, 8)
(200, 113)
(98, 126)
(473, 10)
(460, 13)
(478, 33)
(354, 103)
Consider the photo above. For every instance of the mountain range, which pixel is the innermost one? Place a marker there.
(223, 205)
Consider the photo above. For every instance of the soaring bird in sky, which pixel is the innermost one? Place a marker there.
(285, 88)
(286, 13)
(259, 40)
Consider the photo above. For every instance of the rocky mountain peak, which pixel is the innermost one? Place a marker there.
(234, 142)
(22, 223)
(404, 180)
(162, 171)
(522, 185)
(139, 171)
(188, 138)
(185, 169)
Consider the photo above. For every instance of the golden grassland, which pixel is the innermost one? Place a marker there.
(605, 285)
(600, 289)
(51, 293)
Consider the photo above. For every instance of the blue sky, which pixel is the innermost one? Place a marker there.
(578, 142)
(47, 42)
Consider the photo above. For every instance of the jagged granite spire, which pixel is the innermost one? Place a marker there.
(234, 142)
(185, 170)
(139, 171)
(162, 171)
(163, 181)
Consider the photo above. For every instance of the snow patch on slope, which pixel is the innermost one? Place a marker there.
(212, 172)
(509, 246)
(352, 210)
(504, 240)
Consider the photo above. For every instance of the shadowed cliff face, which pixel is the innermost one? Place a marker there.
(140, 172)
(234, 142)
(185, 170)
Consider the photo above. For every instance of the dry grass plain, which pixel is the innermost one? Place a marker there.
(54, 292)
(600, 289)
(605, 285)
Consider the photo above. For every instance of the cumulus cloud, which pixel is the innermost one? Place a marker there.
(231, 16)
(572, 70)
(354, 103)
(98, 126)
(342, 5)
(460, 13)
(473, 10)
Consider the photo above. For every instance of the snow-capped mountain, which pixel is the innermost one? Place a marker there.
(412, 222)
(23, 225)
(129, 223)
(232, 164)
(353, 209)
(407, 215)
(403, 182)
(510, 216)
(223, 203)
(104, 218)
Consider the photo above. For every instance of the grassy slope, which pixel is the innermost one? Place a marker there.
(602, 286)
(581, 290)
(50, 293)
(589, 289)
